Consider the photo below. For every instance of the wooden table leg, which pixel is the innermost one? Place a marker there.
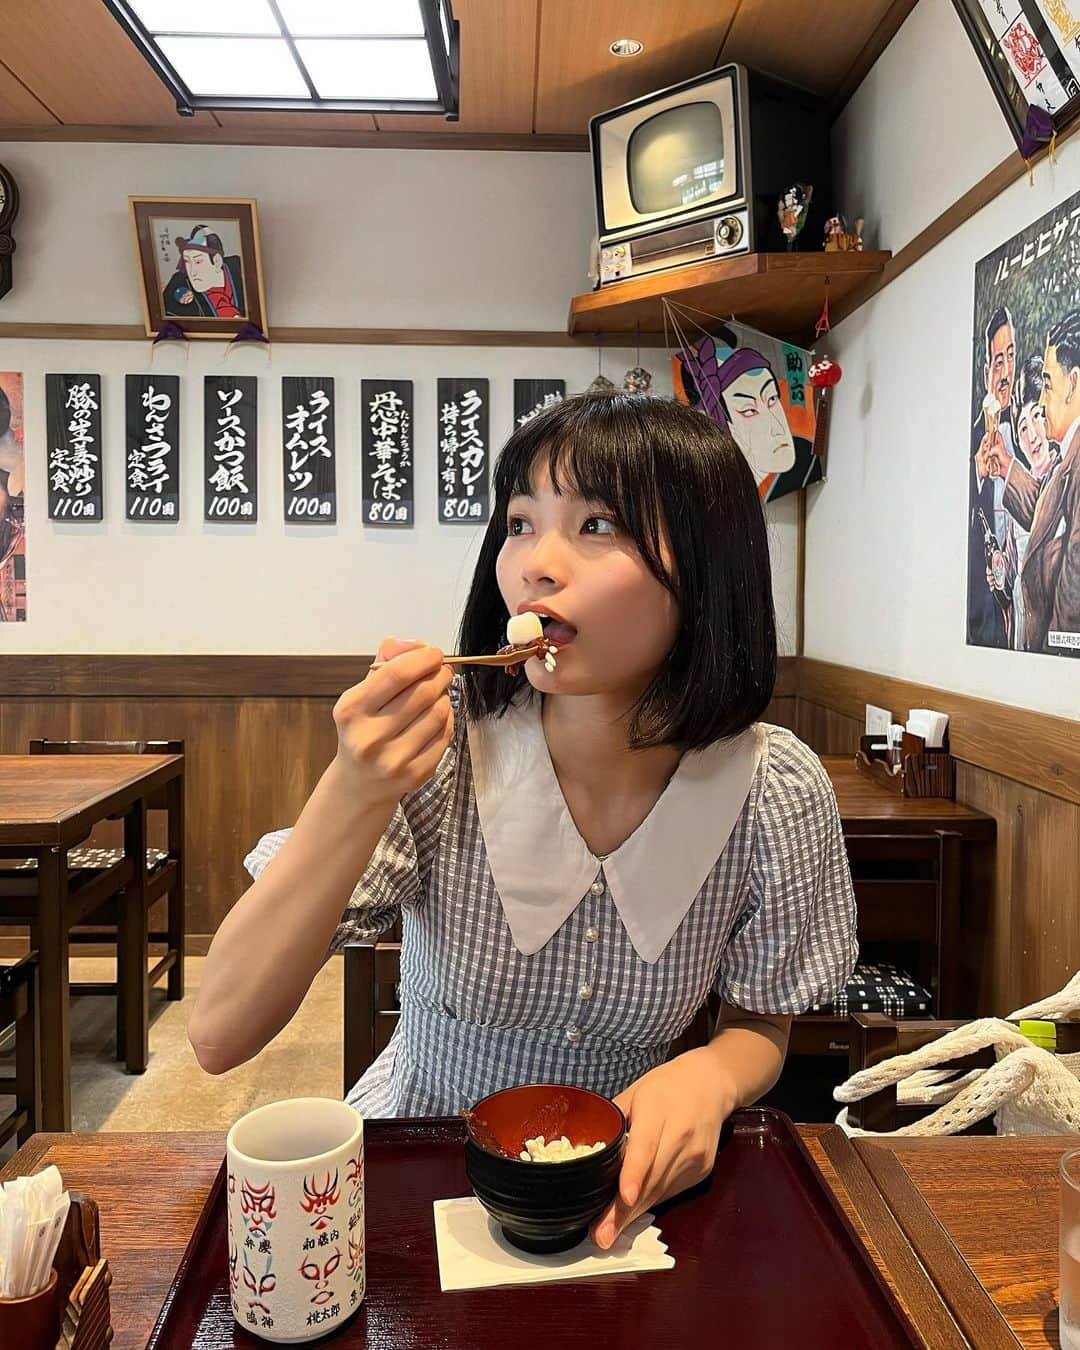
(133, 944)
(54, 1010)
(177, 926)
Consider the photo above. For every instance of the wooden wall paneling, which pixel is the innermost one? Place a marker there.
(259, 733)
(1030, 747)
(250, 766)
(827, 732)
(78, 61)
(782, 712)
(498, 71)
(1022, 898)
(1035, 888)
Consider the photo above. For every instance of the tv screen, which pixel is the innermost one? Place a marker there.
(676, 158)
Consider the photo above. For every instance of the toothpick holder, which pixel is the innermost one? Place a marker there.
(922, 772)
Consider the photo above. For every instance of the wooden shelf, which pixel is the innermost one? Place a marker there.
(781, 293)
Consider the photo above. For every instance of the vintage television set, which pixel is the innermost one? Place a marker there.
(695, 171)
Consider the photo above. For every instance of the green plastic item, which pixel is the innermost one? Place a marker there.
(1043, 1034)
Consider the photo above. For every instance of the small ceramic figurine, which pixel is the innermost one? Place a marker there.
(792, 208)
(839, 239)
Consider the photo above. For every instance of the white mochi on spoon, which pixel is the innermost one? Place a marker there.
(524, 628)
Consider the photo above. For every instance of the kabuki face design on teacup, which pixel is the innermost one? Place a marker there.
(319, 1196)
(320, 1274)
(257, 1204)
(296, 1216)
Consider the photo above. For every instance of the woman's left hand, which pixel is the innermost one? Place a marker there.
(675, 1113)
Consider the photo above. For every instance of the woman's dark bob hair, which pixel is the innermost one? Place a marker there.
(660, 468)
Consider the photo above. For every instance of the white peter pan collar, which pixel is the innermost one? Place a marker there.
(542, 867)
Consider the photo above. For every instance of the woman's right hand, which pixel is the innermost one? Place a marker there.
(394, 726)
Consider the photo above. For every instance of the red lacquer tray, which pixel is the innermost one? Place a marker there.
(764, 1257)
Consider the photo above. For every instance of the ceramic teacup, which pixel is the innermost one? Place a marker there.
(296, 1218)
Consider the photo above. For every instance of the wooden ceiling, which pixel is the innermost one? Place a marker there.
(532, 71)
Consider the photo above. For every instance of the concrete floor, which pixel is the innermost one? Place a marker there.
(175, 1093)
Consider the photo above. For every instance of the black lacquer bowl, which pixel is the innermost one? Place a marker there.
(544, 1207)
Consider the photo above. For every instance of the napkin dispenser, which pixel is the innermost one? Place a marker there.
(72, 1312)
(921, 772)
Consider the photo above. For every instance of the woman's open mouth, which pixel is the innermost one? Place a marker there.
(562, 634)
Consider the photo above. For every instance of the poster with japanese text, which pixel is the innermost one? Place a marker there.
(12, 503)
(533, 396)
(1023, 544)
(386, 452)
(309, 449)
(73, 428)
(463, 451)
(152, 459)
(231, 448)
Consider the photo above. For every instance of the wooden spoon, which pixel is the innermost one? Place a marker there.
(537, 648)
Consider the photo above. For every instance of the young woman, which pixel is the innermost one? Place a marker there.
(578, 856)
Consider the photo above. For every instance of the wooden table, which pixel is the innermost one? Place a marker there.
(867, 807)
(48, 804)
(986, 1204)
(922, 1227)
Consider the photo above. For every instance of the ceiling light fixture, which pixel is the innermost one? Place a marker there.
(397, 56)
(626, 47)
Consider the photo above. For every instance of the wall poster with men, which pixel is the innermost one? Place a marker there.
(1024, 474)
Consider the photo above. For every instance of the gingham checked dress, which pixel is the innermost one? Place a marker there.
(525, 957)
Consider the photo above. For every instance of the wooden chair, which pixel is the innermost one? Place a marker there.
(164, 877)
(18, 1010)
(875, 1038)
(372, 975)
(908, 901)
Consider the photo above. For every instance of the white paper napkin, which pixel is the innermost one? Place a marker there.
(473, 1254)
(33, 1211)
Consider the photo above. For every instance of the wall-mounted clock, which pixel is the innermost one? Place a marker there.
(9, 209)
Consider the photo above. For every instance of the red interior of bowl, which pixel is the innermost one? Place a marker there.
(521, 1113)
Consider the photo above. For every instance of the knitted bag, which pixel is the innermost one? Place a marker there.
(1028, 1090)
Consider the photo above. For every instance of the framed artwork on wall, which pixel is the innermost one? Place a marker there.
(199, 264)
(1030, 52)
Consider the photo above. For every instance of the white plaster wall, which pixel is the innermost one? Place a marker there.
(886, 575)
(357, 238)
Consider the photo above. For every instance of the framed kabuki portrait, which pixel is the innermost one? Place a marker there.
(199, 264)
(1030, 53)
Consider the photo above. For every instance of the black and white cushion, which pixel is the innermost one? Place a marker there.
(878, 986)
